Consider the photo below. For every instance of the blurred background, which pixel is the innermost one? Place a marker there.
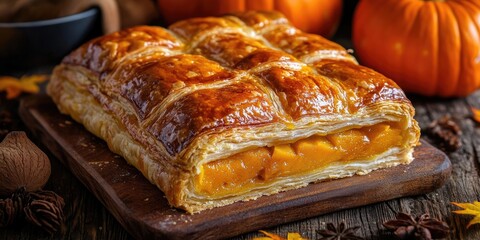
(36, 34)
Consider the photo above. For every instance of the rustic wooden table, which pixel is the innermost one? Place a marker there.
(86, 218)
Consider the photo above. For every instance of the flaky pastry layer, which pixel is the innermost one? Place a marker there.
(172, 100)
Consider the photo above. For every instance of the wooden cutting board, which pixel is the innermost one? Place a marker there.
(144, 212)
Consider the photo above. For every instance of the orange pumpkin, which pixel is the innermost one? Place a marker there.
(316, 16)
(427, 47)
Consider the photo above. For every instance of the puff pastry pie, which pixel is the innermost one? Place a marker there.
(219, 110)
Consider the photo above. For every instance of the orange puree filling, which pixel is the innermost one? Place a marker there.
(261, 165)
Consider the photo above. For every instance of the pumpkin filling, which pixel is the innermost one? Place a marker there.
(245, 170)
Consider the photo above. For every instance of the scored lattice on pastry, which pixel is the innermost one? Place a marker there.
(219, 110)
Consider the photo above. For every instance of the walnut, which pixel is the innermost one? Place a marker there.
(22, 164)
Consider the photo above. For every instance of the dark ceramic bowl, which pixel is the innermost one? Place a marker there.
(27, 45)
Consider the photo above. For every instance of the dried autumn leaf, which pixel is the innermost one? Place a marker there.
(476, 114)
(469, 209)
(14, 86)
(271, 236)
(295, 236)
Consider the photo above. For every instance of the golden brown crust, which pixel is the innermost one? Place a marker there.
(146, 85)
(208, 88)
(101, 54)
(362, 85)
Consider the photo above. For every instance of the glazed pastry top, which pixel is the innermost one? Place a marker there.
(235, 73)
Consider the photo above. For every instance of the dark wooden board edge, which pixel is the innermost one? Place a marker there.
(143, 211)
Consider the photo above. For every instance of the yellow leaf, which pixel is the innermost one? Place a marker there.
(476, 114)
(14, 87)
(6, 82)
(469, 209)
(34, 78)
(271, 236)
(295, 236)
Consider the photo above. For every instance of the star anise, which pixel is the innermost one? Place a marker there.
(339, 233)
(420, 228)
(446, 133)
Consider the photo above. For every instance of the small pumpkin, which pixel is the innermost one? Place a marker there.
(315, 16)
(428, 47)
